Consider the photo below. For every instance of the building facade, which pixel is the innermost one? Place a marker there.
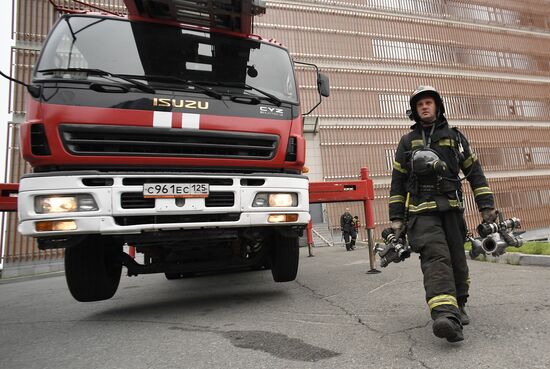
(489, 60)
(32, 20)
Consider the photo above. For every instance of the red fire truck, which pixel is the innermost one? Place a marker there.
(172, 130)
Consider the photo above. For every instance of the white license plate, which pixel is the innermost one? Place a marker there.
(175, 190)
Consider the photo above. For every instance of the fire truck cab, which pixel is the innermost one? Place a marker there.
(172, 130)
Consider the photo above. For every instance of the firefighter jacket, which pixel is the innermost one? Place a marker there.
(436, 192)
(346, 222)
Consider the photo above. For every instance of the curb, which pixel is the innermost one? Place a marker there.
(512, 258)
(31, 277)
(516, 258)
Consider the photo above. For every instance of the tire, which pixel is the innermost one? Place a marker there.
(172, 276)
(93, 268)
(285, 255)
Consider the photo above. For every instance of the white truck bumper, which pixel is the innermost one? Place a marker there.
(131, 214)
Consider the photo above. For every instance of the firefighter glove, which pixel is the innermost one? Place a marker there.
(489, 215)
(397, 225)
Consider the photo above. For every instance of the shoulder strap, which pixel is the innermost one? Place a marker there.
(458, 139)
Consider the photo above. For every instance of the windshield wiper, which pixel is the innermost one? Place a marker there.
(272, 98)
(196, 85)
(98, 72)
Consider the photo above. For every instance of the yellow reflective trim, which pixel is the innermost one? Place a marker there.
(454, 203)
(468, 162)
(397, 198)
(443, 303)
(398, 167)
(447, 142)
(442, 300)
(416, 143)
(482, 191)
(422, 206)
(441, 297)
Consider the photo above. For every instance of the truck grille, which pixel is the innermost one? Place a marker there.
(219, 199)
(140, 181)
(105, 140)
(166, 219)
(135, 200)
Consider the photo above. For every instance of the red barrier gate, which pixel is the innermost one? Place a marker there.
(341, 191)
(8, 196)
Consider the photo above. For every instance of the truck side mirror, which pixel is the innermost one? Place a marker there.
(34, 91)
(323, 85)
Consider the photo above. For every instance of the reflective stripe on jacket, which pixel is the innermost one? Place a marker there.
(453, 148)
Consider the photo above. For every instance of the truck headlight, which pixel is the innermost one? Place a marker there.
(275, 200)
(282, 218)
(64, 203)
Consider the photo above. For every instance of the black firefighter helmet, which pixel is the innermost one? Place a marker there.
(423, 91)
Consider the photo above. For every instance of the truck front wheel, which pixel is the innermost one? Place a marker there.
(284, 258)
(93, 268)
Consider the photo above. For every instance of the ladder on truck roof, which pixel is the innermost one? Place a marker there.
(232, 15)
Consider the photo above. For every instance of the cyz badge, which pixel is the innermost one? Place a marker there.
(270, 110)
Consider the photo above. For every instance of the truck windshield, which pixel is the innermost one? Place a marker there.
(148, 49)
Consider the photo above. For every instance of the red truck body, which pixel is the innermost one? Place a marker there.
(184, 141)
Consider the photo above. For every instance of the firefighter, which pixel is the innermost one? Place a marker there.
(426, 195)
(348, 230)
(356, 224)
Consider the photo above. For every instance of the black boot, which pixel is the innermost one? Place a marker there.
(449, 328)
(464, 318)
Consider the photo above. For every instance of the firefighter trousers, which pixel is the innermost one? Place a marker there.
(439, 238)
(349, 235)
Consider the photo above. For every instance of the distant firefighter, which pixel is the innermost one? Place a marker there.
(348, 229)
(356, 223)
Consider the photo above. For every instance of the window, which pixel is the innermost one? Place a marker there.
(140, 49)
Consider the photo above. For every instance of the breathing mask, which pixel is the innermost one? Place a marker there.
(426, 162)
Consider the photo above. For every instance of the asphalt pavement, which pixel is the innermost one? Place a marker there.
(333, 316)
